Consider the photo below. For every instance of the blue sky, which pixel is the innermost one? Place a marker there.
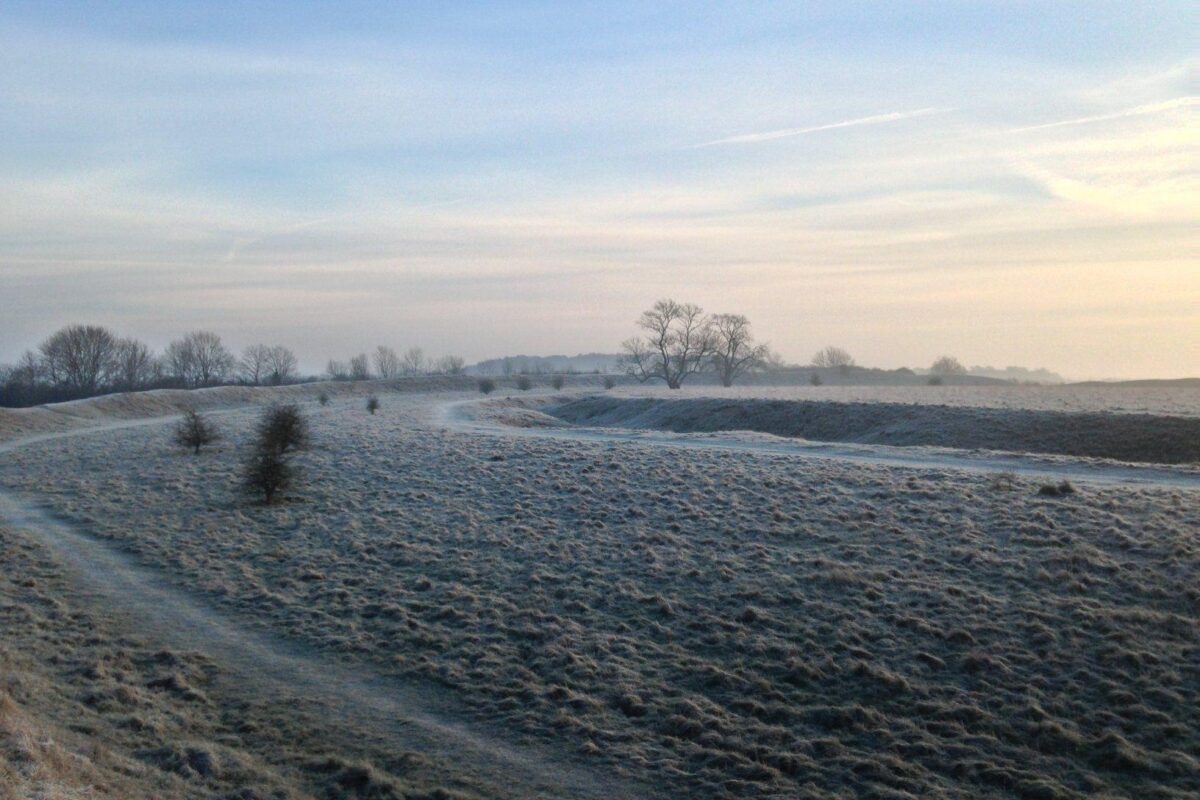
(1013, 183)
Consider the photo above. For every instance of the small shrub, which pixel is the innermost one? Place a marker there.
(524, 384)
(283, 428)
(557, 381)
(815, 379)
(609, 381)
(486, 385)
(1057, 490)
(267, 473)
(936, 380)
(323, 398)
(372, 404)
(1003, 482)
(194, 431)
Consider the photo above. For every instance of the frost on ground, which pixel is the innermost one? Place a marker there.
(89, 708)
(1123, 437)
(722, 624)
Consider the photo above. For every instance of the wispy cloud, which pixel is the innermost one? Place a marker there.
(767, 136)
(1136, 111)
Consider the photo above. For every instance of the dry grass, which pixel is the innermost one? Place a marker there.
(88, 709)
(728, 625)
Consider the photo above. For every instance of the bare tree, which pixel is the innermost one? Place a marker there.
(281, 365)
(337, 370)
(360, 368)
(413, 361)
(451, 365)
(678, 342)
(734, 350)
(267, 473)
(252, 366)
(194, 431)
(80, 358)
(199, 359)
(29, 372)
(833, 357)
(387, 363)
(134, 364)
(283, 428)
(948, 365)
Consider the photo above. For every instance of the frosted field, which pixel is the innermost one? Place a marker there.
(700, 622)
(1180, 401)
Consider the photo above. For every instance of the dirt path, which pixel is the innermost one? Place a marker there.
(423, 719)
(458, 416)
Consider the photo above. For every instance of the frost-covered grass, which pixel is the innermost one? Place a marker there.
(1179, 401)
(724, 624)
(1123, 437)
(91, 707)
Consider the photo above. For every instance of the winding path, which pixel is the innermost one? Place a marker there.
(417, 718)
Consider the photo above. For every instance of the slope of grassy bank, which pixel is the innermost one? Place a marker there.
(1124, 437)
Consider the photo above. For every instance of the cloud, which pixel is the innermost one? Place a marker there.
(1137, 111)
(766, 136)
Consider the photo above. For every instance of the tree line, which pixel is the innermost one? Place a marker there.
(87, 360)
(80, 361)
(386, 364)
(679, 340)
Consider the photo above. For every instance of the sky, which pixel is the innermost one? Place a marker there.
(1012, 183)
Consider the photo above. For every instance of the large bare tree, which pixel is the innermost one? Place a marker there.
(134, 364)
(451, 365)
(734, 351)
(80, 358)
(252, 366)
(199, 359)
(833, 357)
(947, 366)
(360, 368)
(281, 365)
(413, 361)
(387, 363)
(677, 343)
(337, 370)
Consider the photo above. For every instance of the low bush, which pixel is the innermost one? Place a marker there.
(486, 385)
(1057, 489)
(372, 404)
(323, 398)
(524, 384)
(283, 428)
(609, 381)
(267, 473)
(557, 381)
(194, 431)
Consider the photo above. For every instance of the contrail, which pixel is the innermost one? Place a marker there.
(766, 136)
(1136, 111)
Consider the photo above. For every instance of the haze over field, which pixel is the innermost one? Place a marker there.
(1010, 183)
